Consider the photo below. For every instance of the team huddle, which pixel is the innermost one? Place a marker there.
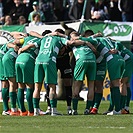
(29, 60)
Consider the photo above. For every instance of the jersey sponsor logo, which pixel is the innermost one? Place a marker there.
(67, 71)
(20, 63)
(85, 49)
(100, 72)
(46, 63)
(46, 51)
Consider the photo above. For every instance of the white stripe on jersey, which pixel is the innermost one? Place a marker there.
(126, 57)
(56, 50)
(104, 51)
(99, 59)
(54, 59)
(109, 58)
(2, 52)
(14, 54)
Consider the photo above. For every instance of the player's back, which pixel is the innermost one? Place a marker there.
(50, 46)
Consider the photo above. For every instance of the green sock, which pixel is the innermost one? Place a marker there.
(36, 102)
(128, 98)
(75, 103)
(122, 102)
(20, 96)
(5, 97)
(89, 104)
(111, 105)
(17, 101)
(13, 97)
(97, 100)
(29, 95)
(116, 97)
(53, 103)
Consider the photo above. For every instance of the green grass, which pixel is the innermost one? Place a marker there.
(68, 124)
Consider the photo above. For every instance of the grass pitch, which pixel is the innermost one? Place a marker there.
(68, 124)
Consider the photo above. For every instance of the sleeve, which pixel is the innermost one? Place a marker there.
(120, 46)
(92, 40)
(63, 40)
(38, 43)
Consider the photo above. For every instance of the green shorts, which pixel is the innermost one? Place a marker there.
(8, 61)
(24, 67)
(45, 71)
(116, 67)
(2, 77)
(101, 70)
(85, 67)
(128, 69)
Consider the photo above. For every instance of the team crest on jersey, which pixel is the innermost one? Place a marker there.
(5, 37)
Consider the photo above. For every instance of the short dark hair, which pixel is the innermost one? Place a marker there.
(88, 33)
(60, 31)
(46, 32)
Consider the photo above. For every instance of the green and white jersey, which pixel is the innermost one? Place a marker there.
(3, 50)
(32, 40)
(123, 51)
(11, 53)
(83, 52)
(100, 46)
(49, 49)
(109, 45)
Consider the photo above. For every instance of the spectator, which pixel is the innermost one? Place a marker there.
(7, 6)
(36, 10)
(28, 6)
(114, 13)
(99, 11)
(46, 7)
(18, 9)
(36, 20)
(61, 8)
(22, 20)
(8, 20)
(125, 6)
(75, 11)
(71, 2)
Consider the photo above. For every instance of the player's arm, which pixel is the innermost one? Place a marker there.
(13, 45)
(99, 34)
(36, 34)
(25, 48)
(91, 46)
(56, 34)
(113, 51)
(16, 34)
(61, 35)
(80, 42)
(75, 42)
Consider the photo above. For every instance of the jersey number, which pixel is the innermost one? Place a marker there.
(32, 41)
(47, 42)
